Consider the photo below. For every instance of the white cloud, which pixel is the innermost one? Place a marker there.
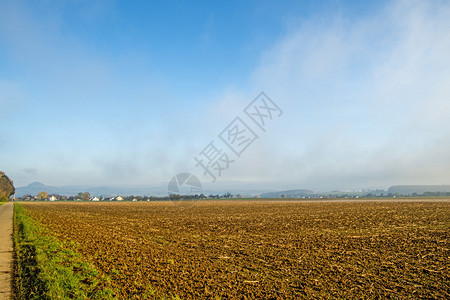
(367, 101)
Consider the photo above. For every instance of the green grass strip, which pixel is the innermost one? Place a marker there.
(47, 268)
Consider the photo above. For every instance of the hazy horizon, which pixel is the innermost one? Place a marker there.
(128, 93)
(243, 188)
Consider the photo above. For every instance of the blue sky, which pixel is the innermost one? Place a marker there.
(128, 92)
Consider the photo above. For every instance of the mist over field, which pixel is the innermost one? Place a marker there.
(112, 93)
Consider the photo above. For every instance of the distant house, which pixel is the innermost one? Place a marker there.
(95, 199)
(119, 198)
(52, 198)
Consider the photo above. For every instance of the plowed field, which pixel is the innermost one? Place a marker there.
(262, 249)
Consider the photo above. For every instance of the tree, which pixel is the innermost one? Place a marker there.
(42, 195)
(6, 187)
(27, 197)
(84, 196)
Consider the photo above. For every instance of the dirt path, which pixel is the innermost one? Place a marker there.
(6, 251)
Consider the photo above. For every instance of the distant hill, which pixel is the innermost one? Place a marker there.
(36, 187)
(419, 189)
(287, 194)
(107, 191)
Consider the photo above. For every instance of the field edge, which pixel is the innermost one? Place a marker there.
(47, 268)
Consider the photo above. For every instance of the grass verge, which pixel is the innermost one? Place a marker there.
(47, 268)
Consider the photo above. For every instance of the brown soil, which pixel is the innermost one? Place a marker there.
(265, 249)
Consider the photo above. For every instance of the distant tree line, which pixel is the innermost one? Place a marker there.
(85, 196)
(42, 196)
